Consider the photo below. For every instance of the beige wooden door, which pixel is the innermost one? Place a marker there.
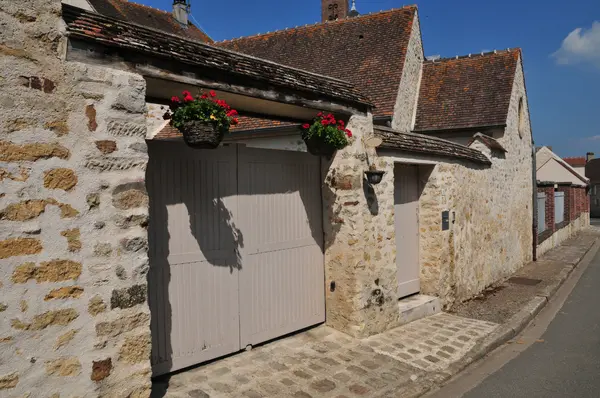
(193, 278)
(406, 207)
(282, 280)
(236, 253)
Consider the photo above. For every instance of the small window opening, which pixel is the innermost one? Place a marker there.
(521, 118)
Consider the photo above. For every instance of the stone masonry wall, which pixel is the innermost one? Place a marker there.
(492, 235)
(406, 104)
(73, 211)
(360, 250)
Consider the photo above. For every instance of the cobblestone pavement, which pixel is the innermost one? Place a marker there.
(432, 343)
(325, 363)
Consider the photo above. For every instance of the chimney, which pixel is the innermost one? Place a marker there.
(589, 156)
(333, 9)
(181, 12)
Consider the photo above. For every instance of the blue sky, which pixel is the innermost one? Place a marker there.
(563, 90)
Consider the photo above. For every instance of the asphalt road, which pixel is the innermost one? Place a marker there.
(565, 362)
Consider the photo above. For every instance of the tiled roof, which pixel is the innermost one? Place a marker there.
(579, 161)
(465, 92)
(111, 32)
(368, 51)
(246, 123)
(148, 16)
(491, 142)
(426, 144)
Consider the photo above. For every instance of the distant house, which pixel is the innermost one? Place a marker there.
(563, 201)
(578, 163)
(592, 171)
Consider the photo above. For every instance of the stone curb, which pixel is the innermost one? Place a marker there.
(516, 324)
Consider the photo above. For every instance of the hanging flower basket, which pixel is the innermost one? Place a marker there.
(325, 135)
(198, 134)
(203, 121)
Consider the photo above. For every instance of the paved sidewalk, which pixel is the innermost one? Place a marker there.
(325, 363)
(503, 300)
(404, 362)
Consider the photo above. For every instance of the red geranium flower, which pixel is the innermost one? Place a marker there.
(204, 96)
(187, 94)
(324, 122)
(306, 126)
(341, 123)
(320, 114)
(175, 99)
(188, 98)
(348, 133)
(235, 121)
(212, 93)
(232, 112)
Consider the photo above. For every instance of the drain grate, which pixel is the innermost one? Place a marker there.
(517, 280)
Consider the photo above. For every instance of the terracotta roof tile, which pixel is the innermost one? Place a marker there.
(368, 51)
(126, 36)
(471, 91)
(148, 16)
(246, 124)
(426, 144)
(579, 161)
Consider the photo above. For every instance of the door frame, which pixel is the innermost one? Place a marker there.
(411, 286)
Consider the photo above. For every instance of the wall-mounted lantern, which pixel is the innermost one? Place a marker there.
(373, 175)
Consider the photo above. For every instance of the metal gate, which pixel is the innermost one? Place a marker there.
(235, 250)
(541, 216)
(559, 207)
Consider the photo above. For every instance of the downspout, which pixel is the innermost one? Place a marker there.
(534, 197)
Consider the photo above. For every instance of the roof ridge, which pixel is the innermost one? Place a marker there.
(474, 55)
(337, 21)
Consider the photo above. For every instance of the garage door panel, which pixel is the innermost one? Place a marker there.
(282, 292)
(193, 265)
(235, 250)
(282, 275)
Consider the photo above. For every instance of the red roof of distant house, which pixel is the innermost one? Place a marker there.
(148, 16)
(368, 51)
(579, 161)
(469, 91)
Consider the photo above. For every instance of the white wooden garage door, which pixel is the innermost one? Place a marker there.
(235, 250)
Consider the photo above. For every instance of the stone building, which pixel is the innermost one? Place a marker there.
(125, 254)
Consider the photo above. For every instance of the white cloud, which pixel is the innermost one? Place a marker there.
(581, 45)
(593, 138)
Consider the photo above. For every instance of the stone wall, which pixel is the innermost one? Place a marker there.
(492, 234)
(405, 109)
(360, 250)
(73, 211)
